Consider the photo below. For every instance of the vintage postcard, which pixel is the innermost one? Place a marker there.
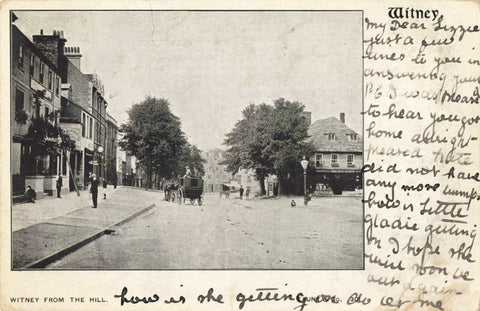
(240, 155)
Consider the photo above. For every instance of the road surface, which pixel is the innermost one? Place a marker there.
(232, 234)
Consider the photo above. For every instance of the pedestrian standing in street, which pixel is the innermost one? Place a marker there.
(241, 192)
(247, 193)
(104, 189)
(59, 184)
(94, 189)
(115, 183)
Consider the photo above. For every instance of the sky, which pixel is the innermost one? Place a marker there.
(211, 65)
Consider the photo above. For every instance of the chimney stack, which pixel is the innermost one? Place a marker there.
(342, 117)
(51, 46)
(73, 55)
(308, 117)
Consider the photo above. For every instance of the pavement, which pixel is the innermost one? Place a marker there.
(53, 227)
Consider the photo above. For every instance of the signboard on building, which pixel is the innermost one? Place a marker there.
(38, 87)
(73, 130)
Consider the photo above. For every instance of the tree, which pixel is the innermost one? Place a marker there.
(270, 140)
(191, 156)
(153, 135)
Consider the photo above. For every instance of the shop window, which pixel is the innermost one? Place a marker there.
(19, 100)
(64, 164)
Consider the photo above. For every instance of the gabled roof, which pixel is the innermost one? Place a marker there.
(320, 129)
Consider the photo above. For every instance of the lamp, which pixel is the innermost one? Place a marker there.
(304, 164)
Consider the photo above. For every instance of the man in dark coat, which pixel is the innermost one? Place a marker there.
(59, 185)
(94, 189)
(241, 192)
(30, 194)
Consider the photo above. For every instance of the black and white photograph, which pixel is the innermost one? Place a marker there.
(186, 140)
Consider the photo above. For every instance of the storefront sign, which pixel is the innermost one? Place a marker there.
(73, 132)
(38, 87)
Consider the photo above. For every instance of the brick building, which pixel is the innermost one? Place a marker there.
(86, 92)
(34, 101)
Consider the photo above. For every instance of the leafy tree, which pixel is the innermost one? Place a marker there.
(191, 156)
(153, 135)
(270, 140)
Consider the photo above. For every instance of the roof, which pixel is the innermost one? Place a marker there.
(34, 48)
(320, 129)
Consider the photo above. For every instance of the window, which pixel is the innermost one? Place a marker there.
(41, 72)
(50, 77)
(19, 100)
(90, 127)
(332, 136)
(350, 159)
(57, 85)
(83, 124)
(47, 112)
(20, 56)
(334, 160)
(352, 137)
(319, 160)
(32, 65)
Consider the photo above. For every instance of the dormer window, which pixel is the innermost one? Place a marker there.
(352, 137)
(331, 136)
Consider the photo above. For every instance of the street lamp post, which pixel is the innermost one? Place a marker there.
(304, 164)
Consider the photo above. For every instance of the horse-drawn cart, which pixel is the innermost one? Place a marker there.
(187, 188)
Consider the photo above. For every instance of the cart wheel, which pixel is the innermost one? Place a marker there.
(200, 201)
(192, 201)
(180, 198)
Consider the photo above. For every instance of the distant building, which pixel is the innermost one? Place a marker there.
(126, 168)
(338, 158)
(215, 171)
(111, 149)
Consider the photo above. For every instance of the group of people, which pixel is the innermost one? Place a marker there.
(226, 191)
(241, 191)
(31, 195)
(93, 182)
